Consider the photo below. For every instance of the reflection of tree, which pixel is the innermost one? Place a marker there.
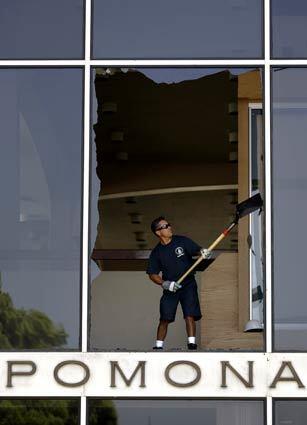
(54, 412)
(27, 328)
(102, 412)
(39, 412)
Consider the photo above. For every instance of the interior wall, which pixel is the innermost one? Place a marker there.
(125, 313)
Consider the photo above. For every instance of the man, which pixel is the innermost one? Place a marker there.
(173, 257)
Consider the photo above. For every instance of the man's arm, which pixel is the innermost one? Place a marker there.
(166, 284)
(156, 278)
(194, 249)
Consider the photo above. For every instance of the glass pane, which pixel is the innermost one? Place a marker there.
(179, 412)
(40, 181)
(165, 142)
(41, 29)
(289, 207)
(290, 412)
(289, 21)
(177, 29)
(39, 412)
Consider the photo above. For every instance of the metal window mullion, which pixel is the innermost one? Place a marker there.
(269, 411)
(85, 209)
(41, 63)
(86, 193)
(268, 198)
(174, 62)
(86, 177)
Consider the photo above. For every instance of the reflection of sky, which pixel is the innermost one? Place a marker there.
(174, 75)
(289, 21)
(290, 196)
(289, 8)
(181, 412)
(177, 29)
(41, 29)
(40, 156)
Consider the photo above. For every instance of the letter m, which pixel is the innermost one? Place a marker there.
(128, 381)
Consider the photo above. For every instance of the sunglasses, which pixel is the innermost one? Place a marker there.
(164, 226)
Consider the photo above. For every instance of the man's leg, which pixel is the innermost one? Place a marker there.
(191, 332)
(168, 307)
(161, 334)
(190, 326)
(162, 330)
(191, 312)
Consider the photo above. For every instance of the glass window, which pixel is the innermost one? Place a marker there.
(179, 412)
(39, 412)
(177, 29)
(289, 21)
(41, 29)
(290, 412)
(166, 142)
(40, 186)
(289, 207)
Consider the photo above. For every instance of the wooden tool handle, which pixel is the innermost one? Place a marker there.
(199, 259)
(211, 247)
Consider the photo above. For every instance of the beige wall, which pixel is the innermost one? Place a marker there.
(125, 313)
(220, 305)
(225, 285)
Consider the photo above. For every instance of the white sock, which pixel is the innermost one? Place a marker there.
(159, 343)
(191, 339)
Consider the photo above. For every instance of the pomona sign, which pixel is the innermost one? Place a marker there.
(153, 374)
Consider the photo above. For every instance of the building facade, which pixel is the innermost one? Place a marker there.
(111, 114)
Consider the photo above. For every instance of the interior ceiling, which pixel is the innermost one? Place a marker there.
(199, 215)
(175, 125)
(187, 121)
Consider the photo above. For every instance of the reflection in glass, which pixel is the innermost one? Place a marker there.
(290, 412)
(289, 21)
(289, 207)
(177, 29)
(39, 412)
(40, 157)
(41, 29)
(179, 412)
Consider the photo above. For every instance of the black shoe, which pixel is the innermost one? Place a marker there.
(192, 346)
(157, 348)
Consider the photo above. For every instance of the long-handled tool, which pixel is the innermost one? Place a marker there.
(242, 209)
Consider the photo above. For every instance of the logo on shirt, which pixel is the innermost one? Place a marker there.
(179, 251)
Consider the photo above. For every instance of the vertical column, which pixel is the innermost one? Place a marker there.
(269, 411)
(86, 193)
(268, 200)
(86, 177)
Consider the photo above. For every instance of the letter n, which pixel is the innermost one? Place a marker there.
(247, 383)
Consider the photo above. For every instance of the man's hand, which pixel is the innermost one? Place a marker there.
(171, 286)
(205, 253)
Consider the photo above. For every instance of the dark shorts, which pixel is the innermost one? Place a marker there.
(187, 296)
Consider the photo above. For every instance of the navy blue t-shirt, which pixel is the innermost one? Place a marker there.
(173, 259)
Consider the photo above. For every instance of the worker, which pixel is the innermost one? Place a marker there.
(168, 261)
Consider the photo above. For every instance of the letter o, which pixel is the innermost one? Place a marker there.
(188, 384)
(73, 384)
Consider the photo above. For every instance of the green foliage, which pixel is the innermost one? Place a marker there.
(54, 412)
(102, 412)
(28, 329)
(39, 412)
